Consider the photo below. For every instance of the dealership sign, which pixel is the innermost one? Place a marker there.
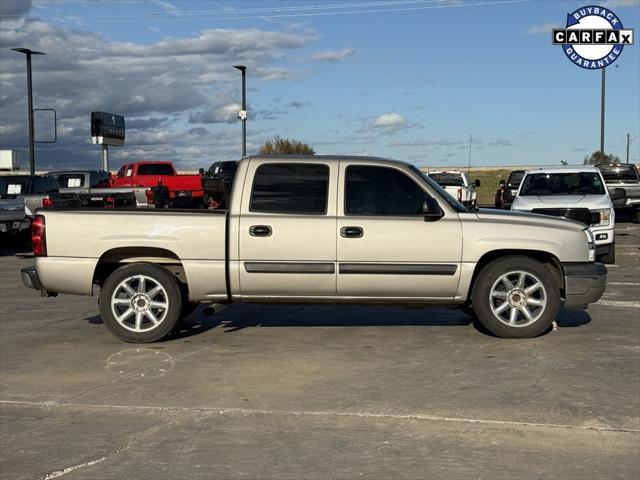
(593, 38)
(107, 129)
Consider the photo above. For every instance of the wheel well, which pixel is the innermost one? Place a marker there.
(547, 259)
(113, 259)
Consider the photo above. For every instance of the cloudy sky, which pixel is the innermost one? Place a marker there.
(407, 79)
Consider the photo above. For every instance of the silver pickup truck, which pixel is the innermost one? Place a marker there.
(319, 229)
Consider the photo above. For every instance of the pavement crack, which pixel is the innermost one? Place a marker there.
(328, 413)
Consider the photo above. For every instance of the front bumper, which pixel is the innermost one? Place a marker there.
(584, 283)
(30, 278)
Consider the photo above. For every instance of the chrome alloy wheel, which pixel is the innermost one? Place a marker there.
(518, 299)
(139, 303)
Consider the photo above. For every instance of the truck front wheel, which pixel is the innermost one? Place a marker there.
(515, 297)
(140, 303)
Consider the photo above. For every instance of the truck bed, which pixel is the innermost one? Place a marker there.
(194, 240)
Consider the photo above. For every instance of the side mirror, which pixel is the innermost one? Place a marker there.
(477, 182)
(431, 210)
(618, 194)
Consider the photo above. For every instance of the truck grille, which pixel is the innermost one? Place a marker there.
(582, 215)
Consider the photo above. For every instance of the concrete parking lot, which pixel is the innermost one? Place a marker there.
(319, 392)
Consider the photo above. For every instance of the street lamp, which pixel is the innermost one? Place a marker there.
(242, 114)
(28, 53)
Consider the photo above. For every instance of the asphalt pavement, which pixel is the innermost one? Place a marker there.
(273, 392)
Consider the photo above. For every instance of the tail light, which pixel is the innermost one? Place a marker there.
(109, 202)
(38, 239)
(150, 197)
(47, 203)
(459, 194)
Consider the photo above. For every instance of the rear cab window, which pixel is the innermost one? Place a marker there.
(290, 188)
(154, 169)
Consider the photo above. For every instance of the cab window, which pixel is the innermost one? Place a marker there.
(290, 188)
(381, 191)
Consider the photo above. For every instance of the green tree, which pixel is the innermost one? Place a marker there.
(284, 146)
(598, 157)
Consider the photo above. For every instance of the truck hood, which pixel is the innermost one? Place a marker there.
(522, 218)
(529, 202)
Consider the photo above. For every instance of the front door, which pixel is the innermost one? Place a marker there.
(287, 243)
(386, 249)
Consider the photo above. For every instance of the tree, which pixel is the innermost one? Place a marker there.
(598, 157)
(284, 146)
(564, 163)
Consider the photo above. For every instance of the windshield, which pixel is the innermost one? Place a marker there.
(443, 193)
(448, 179)
(580, 183)
(619, 173)
(155, 169)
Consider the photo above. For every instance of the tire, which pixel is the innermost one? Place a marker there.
(609, 258)
(491, 293)
(138, 326)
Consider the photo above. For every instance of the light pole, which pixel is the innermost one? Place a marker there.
(602, 90)
(242, 115)
(28, 53)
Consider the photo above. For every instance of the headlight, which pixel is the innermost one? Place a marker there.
(591, 245)
(603, 216)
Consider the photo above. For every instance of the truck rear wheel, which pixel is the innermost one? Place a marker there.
(515, 297)
(140, 303)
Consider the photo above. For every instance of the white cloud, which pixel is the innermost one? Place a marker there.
(390, 121)
(542, 29)
(160, 87)
(334, 55)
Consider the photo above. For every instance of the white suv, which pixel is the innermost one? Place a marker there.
(576, 193)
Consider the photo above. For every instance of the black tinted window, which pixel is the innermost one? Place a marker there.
(381, 191)
(619, 173)
(44, 184)
(448, 179)
(290, 188)
(583, 183)
(155, 169)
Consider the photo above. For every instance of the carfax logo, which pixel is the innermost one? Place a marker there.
(593, 38)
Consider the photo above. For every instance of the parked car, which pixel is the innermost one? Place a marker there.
(150, 174)
(13, 218)
(34, 190)
(458, 185)
(217, 183)
(318, 229)
(576, 193)
(507, 190)
(625, 177)
(91, 188)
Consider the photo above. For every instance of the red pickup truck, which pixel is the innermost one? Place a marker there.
(154, 173)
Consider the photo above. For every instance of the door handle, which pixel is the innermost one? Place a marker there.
(351, 232)
(260, 231)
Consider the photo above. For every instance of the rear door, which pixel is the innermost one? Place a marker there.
(386, 249)
(287, 229)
